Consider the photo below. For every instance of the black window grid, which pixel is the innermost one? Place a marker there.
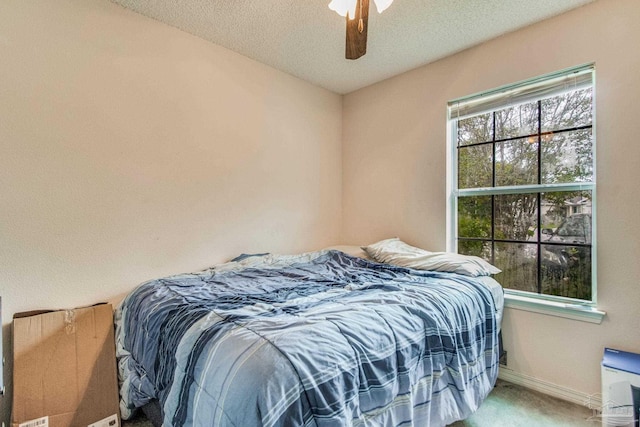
(539, 135)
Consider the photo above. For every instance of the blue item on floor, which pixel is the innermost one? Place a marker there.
(620, 388)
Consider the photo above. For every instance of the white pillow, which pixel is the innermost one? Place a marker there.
(395, 251)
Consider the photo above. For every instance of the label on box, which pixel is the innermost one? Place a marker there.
(110, 421)
(40, 422)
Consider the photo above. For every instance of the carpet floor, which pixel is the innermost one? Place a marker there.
(508, 405)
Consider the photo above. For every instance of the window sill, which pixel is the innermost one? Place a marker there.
(552, 308)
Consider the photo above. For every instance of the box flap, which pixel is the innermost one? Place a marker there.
(64, 366)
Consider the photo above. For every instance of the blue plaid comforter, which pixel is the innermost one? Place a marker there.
(324, 339)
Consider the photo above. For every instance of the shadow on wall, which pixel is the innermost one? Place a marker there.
(5, 399)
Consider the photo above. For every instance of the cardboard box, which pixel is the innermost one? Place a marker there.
(64, 369)
(620, 388)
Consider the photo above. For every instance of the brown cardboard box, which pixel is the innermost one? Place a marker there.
(64, 368)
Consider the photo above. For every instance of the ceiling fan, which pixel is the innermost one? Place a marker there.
(356, 42)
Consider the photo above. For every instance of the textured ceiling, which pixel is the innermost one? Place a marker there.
(306, 39)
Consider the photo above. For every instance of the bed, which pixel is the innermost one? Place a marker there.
(317, 339)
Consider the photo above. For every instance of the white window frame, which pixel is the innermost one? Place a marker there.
(520, 92)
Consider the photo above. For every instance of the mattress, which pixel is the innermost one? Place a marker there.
(318, 339)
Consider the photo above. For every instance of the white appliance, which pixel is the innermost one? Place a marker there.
(620, 388)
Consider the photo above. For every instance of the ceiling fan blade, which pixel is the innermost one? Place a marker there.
(356, 43)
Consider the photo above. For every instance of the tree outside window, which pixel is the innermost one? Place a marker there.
(525, 187)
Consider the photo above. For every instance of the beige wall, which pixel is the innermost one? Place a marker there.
(130, 150)
(394, 172)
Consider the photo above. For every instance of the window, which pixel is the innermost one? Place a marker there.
(522, 184)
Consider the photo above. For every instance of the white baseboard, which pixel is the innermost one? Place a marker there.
(590, 401)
